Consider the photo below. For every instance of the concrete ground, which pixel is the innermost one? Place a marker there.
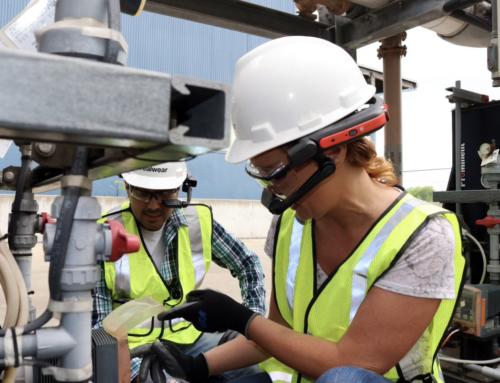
(217, 278)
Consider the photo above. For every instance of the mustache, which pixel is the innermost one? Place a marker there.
(152, 212)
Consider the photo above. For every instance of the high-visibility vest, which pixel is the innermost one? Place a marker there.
(308, 309)
(135, 275)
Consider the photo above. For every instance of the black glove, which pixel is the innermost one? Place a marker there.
(179, 365)
(165, 356)
(218, 312)
(148, 358)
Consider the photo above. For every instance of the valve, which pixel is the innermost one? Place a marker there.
(122, 242)
(488, 221)
(43, 220)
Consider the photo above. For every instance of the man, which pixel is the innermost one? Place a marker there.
(178, 244)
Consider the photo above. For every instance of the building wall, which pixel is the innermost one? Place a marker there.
(246, 219)
(175, 46)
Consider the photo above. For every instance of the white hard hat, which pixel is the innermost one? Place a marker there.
(169, 175)
(288, 88)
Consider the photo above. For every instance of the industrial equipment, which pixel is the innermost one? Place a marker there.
(470, 352)
(78, 114)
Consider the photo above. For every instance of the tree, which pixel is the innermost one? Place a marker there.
(422, 192)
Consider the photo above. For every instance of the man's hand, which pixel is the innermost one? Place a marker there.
(162, 358)
(218, 312)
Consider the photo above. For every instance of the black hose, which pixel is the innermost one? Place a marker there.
(65, 224)
(23, 181)
(61, 239)
(112, 46)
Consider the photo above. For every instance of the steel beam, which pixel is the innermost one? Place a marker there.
(390, 20)
(131, 118)
(467, 196)
(240, 16)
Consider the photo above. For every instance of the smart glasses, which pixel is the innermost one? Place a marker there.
(146, 195)
(313, 147)
(266, 177)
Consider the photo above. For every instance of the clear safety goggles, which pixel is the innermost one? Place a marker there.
(146, 196)
(265, 177)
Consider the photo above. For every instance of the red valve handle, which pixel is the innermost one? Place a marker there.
(122, 242)
(45, 218)
(488, 221)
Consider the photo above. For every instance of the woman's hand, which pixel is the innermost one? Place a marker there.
(217, 312)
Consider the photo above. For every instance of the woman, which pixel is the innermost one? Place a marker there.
(365, 276)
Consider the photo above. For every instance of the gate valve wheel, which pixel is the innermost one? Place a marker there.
(44, 219)
(488, 221)
(121, 242)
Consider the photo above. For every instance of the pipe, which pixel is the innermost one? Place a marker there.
(454, 5)
(16, 297)
(468, 18)
(485, 370)
(493, 51)
(391, 51)
(472, 29)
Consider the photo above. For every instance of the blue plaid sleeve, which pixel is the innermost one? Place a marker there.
(244, 264)
(135, 364)
(102, 301)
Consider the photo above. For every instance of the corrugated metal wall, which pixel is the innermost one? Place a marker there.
(175, 46)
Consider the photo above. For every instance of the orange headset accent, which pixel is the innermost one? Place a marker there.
(355, 131)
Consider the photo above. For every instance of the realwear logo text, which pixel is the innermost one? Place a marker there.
(156, 170)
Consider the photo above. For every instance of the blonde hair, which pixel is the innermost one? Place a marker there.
(362, 153)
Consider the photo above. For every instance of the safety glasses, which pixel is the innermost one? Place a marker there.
(266, 177)
(146, 196)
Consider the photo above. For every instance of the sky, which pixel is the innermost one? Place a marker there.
(434, 64)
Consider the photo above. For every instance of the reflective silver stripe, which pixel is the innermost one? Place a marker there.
(293, 262)
(157, 324)
(278, 376)
(360, 273)
(122, 266)
(122, 276)
(196, 243)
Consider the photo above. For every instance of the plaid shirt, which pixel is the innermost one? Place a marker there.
(227, 252)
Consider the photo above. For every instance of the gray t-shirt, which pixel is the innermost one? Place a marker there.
(425, 269)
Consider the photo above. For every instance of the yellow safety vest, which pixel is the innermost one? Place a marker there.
(308, 309)
(135, 275)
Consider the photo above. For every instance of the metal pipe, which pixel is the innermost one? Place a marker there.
(472, 20)
(454, 5)
(391, 51)
(493, 51)
(41, 345)
(458, 149)
(494, 256)
(485, 370)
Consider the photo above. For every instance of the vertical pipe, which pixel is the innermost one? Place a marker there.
(493, 51)
(458, 150)
(79, 278)
(494, 256)
(391, 51)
